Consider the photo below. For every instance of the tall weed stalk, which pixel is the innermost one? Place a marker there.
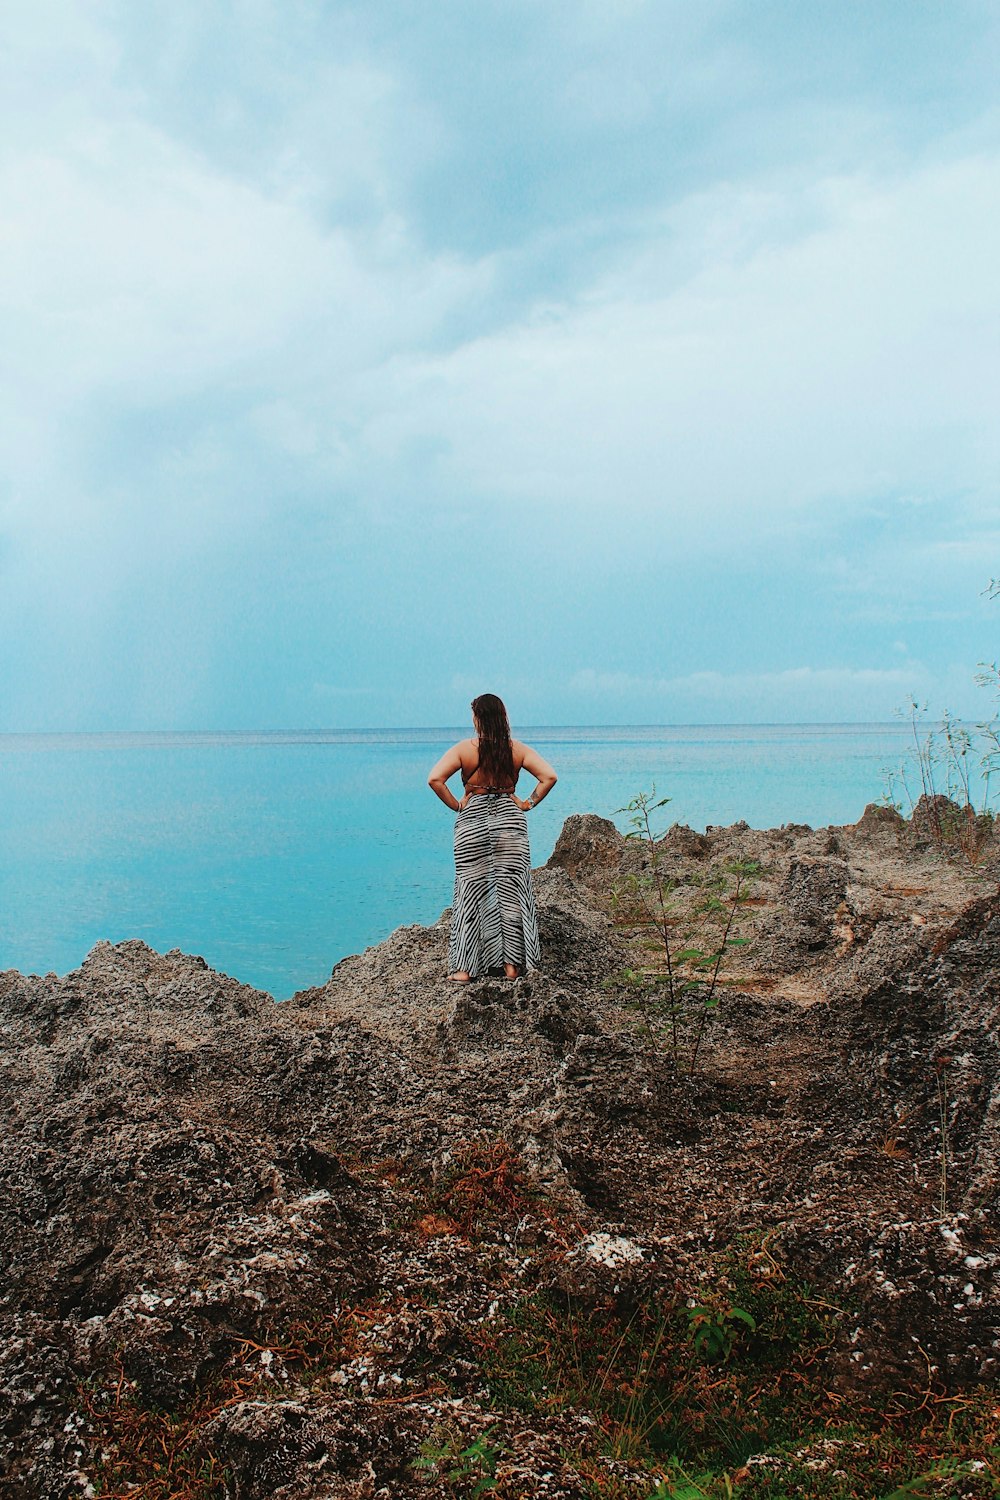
(686, 988)
(950, 769)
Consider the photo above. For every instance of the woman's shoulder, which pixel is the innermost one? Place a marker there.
(462, 751)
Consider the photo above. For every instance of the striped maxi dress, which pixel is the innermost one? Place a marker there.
(493, 917)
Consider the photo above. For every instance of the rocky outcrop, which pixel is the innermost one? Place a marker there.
(198, 1182)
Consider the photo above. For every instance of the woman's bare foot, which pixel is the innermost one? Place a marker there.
(460, 977)
(511, 971)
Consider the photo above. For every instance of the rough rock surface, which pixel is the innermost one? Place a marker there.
(193, 1175)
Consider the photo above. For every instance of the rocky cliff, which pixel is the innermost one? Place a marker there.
(320, 1248)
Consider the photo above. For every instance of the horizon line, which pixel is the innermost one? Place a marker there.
(439, 728)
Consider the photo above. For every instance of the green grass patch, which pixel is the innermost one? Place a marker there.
(729, 1394)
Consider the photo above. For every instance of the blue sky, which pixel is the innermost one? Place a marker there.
(637, 361)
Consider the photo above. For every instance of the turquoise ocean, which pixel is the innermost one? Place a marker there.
(274, 855)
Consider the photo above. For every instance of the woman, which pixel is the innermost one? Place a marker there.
(493, 921)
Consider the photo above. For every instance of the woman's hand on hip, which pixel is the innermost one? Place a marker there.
(465, 802)
(522, 804)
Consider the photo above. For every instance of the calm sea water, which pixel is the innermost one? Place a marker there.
(272, 856)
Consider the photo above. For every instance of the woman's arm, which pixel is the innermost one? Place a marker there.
(450, 762)
(537, 766)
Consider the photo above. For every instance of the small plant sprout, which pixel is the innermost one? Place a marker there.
(467, 1471)
(680, 1485)
(714, 1330)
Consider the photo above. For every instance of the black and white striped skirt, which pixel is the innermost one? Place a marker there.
(493, 918)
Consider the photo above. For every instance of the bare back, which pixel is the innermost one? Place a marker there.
(464, 757)
(474, 778)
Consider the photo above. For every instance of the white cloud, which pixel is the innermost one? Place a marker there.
(765, 349)
(856, 354)
(802, 694)
(139, 280)
(224, 315)
(726, 686)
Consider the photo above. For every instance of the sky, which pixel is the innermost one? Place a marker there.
(636, 361)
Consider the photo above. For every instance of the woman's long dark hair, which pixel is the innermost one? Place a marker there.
(496, 755)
